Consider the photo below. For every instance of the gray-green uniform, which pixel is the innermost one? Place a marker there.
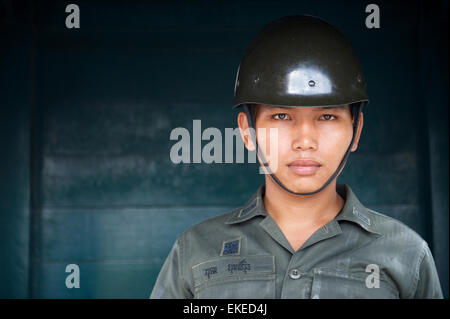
(299, 61)
(244, 254)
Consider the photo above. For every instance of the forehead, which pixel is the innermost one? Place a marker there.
(263, 107)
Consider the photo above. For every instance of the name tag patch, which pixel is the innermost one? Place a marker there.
(210, 271)
(228, 267)
(242, 266)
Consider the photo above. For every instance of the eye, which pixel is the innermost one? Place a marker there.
(280, 116)
(328, 117)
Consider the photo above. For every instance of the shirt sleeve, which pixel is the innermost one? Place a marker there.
(171, 283)
(428, 285)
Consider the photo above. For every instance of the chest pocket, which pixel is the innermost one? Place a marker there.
(334, 284)
(235, 277)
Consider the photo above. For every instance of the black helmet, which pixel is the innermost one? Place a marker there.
(300, 61)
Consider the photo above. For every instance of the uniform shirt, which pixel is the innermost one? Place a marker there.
(244, 254)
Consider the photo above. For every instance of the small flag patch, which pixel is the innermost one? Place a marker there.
(231, 247)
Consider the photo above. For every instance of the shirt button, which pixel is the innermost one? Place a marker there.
(294, 274)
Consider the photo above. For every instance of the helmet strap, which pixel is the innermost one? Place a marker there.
(356, 109)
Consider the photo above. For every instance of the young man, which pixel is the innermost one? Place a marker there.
(301, 235)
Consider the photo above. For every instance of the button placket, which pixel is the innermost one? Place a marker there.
(294, 274)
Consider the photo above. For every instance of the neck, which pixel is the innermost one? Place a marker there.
(318, 208)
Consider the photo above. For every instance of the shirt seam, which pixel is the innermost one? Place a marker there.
(415, 280)
(181, 261)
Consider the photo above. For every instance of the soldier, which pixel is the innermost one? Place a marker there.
(300, 235)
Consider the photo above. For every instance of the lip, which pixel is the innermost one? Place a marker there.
(304, 167)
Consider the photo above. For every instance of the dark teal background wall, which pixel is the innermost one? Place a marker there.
(86, 115)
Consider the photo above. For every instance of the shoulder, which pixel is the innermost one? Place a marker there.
(388, 226)
(208, 238)
(406, 253)
(208, 230)
(205, 241)
(397, 236)
(373, 221)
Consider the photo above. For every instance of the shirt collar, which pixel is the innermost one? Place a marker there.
(352, 211)
(253, 207)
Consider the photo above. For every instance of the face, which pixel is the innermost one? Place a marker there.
(310, 142)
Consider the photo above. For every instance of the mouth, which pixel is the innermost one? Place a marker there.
(304, 167)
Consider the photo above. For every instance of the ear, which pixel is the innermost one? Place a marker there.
(245, 132)
(358, 132)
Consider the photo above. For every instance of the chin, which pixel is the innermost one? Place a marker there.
(301, 185)
(304, 189)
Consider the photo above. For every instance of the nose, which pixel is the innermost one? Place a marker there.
(304, 137)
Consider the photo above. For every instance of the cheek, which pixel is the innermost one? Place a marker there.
(282, 135)
(284, 140)
(335, 141)
(269, 139)
(274, 143)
